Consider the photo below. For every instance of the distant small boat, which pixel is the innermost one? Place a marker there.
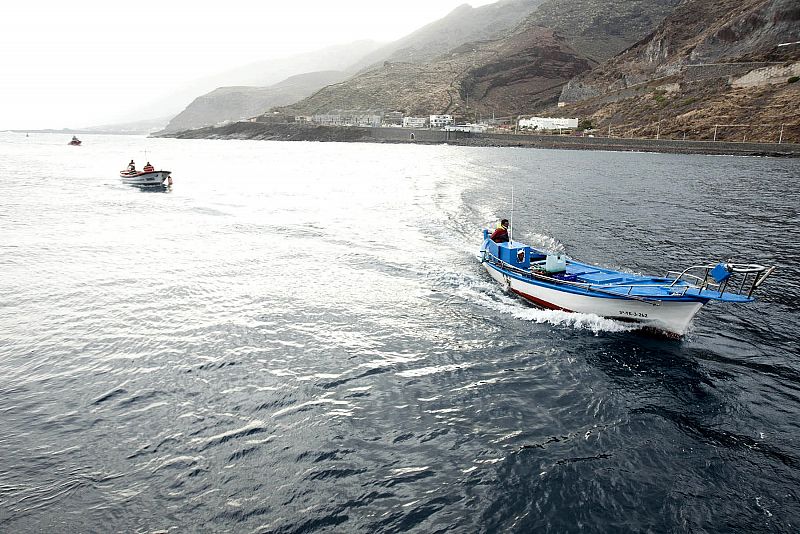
(666, 304)
(75, 141)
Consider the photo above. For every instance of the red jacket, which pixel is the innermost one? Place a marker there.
(500, 235)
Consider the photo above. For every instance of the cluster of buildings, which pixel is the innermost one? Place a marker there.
(375, 120)
(371, 119)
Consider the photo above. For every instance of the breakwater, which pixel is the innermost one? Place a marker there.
(303, 132)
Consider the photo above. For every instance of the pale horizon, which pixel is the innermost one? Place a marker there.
(82, 65)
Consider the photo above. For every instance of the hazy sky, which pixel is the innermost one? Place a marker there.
(73, 64)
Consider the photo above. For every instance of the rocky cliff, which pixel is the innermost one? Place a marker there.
(601, 29)
(712, 69)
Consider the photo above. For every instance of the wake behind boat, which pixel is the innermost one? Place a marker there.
(666, 304)
(148, 176)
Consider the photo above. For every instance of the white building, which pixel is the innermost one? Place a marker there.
(440, 121)
(468, 127)
(547, 123)
(415, 122)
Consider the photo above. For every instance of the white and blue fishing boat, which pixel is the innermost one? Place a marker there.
(148, 176)
(665, 304)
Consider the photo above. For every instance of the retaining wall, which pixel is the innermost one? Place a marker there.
(584, 143)
(768, 75)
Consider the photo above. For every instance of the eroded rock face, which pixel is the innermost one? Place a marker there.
(601, 29)
(576, 90)
(712, 70)
(754, 34)
(698, 32)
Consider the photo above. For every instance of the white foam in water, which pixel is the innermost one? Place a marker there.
(547, 244)
(490, 295)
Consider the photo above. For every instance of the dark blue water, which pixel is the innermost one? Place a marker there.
(299, 337)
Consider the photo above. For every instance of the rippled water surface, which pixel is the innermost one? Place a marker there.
(299, 337)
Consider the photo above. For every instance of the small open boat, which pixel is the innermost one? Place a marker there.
(147, 177)
(75, 141)
(665, 304)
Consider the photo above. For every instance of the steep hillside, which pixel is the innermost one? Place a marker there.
(463, 24)
(522, 73)
(699, 32)
(519, 72)
(601, 29)
(712, 68)
(558, 41)
(233, 103)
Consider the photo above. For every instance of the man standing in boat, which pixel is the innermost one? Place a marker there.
(501, 234)
(131, 166)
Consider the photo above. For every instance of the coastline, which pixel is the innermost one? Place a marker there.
(304, 132)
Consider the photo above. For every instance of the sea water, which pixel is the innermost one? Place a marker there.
(300, 337)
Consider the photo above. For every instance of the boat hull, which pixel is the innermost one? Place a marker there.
(671, 317)
(145, 178)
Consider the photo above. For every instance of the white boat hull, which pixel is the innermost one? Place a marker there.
(145, 178)
(672, 317)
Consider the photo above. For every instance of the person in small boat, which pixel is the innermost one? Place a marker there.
(148, 168)
(131, 166)
(500, 235)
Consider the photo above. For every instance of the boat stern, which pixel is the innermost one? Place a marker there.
(514, 254)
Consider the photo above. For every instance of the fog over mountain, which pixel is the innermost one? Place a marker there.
(258, 74)
(235, 103)
(73, 66)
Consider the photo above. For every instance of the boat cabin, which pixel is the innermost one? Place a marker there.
(523, 256)
(514, 254)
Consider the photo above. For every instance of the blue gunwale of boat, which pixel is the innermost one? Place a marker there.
(600, 282)
(606, 294)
